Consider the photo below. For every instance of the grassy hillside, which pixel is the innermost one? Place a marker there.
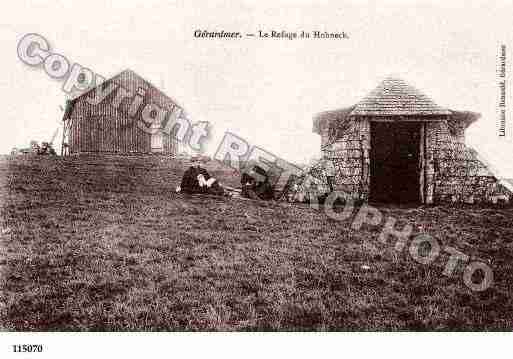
(104, 243)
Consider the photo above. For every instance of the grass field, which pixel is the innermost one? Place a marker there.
(104, 243)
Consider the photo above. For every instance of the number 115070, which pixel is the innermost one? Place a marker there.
(27, 348)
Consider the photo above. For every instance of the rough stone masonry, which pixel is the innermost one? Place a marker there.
(450, 171)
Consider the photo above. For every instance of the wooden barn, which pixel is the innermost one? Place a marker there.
(110, 126)
(397, 145)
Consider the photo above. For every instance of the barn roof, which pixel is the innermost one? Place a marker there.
(394, 96)
(132, 82)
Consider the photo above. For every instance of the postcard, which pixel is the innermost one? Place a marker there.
(273, 166)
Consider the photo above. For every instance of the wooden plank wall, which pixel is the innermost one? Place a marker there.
(103, 128)
(115, 135)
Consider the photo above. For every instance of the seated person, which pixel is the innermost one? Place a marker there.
(255, 186)
(248, 184)
(46, 149)
(197, 180)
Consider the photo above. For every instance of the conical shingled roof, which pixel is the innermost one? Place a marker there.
(394, 96)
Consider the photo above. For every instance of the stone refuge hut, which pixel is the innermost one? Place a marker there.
(397, 145)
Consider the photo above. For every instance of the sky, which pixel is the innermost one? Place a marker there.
(264, 90)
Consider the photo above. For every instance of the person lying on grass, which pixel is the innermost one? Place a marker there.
(197, 180)
(251, 188)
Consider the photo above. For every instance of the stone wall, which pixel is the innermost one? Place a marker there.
(350, 156)
(454, 171)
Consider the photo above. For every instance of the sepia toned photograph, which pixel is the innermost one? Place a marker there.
(286, 166)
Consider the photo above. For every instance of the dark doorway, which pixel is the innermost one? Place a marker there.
(394, 161)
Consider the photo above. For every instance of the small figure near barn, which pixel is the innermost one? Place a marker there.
(197, 180)
(46, 149)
